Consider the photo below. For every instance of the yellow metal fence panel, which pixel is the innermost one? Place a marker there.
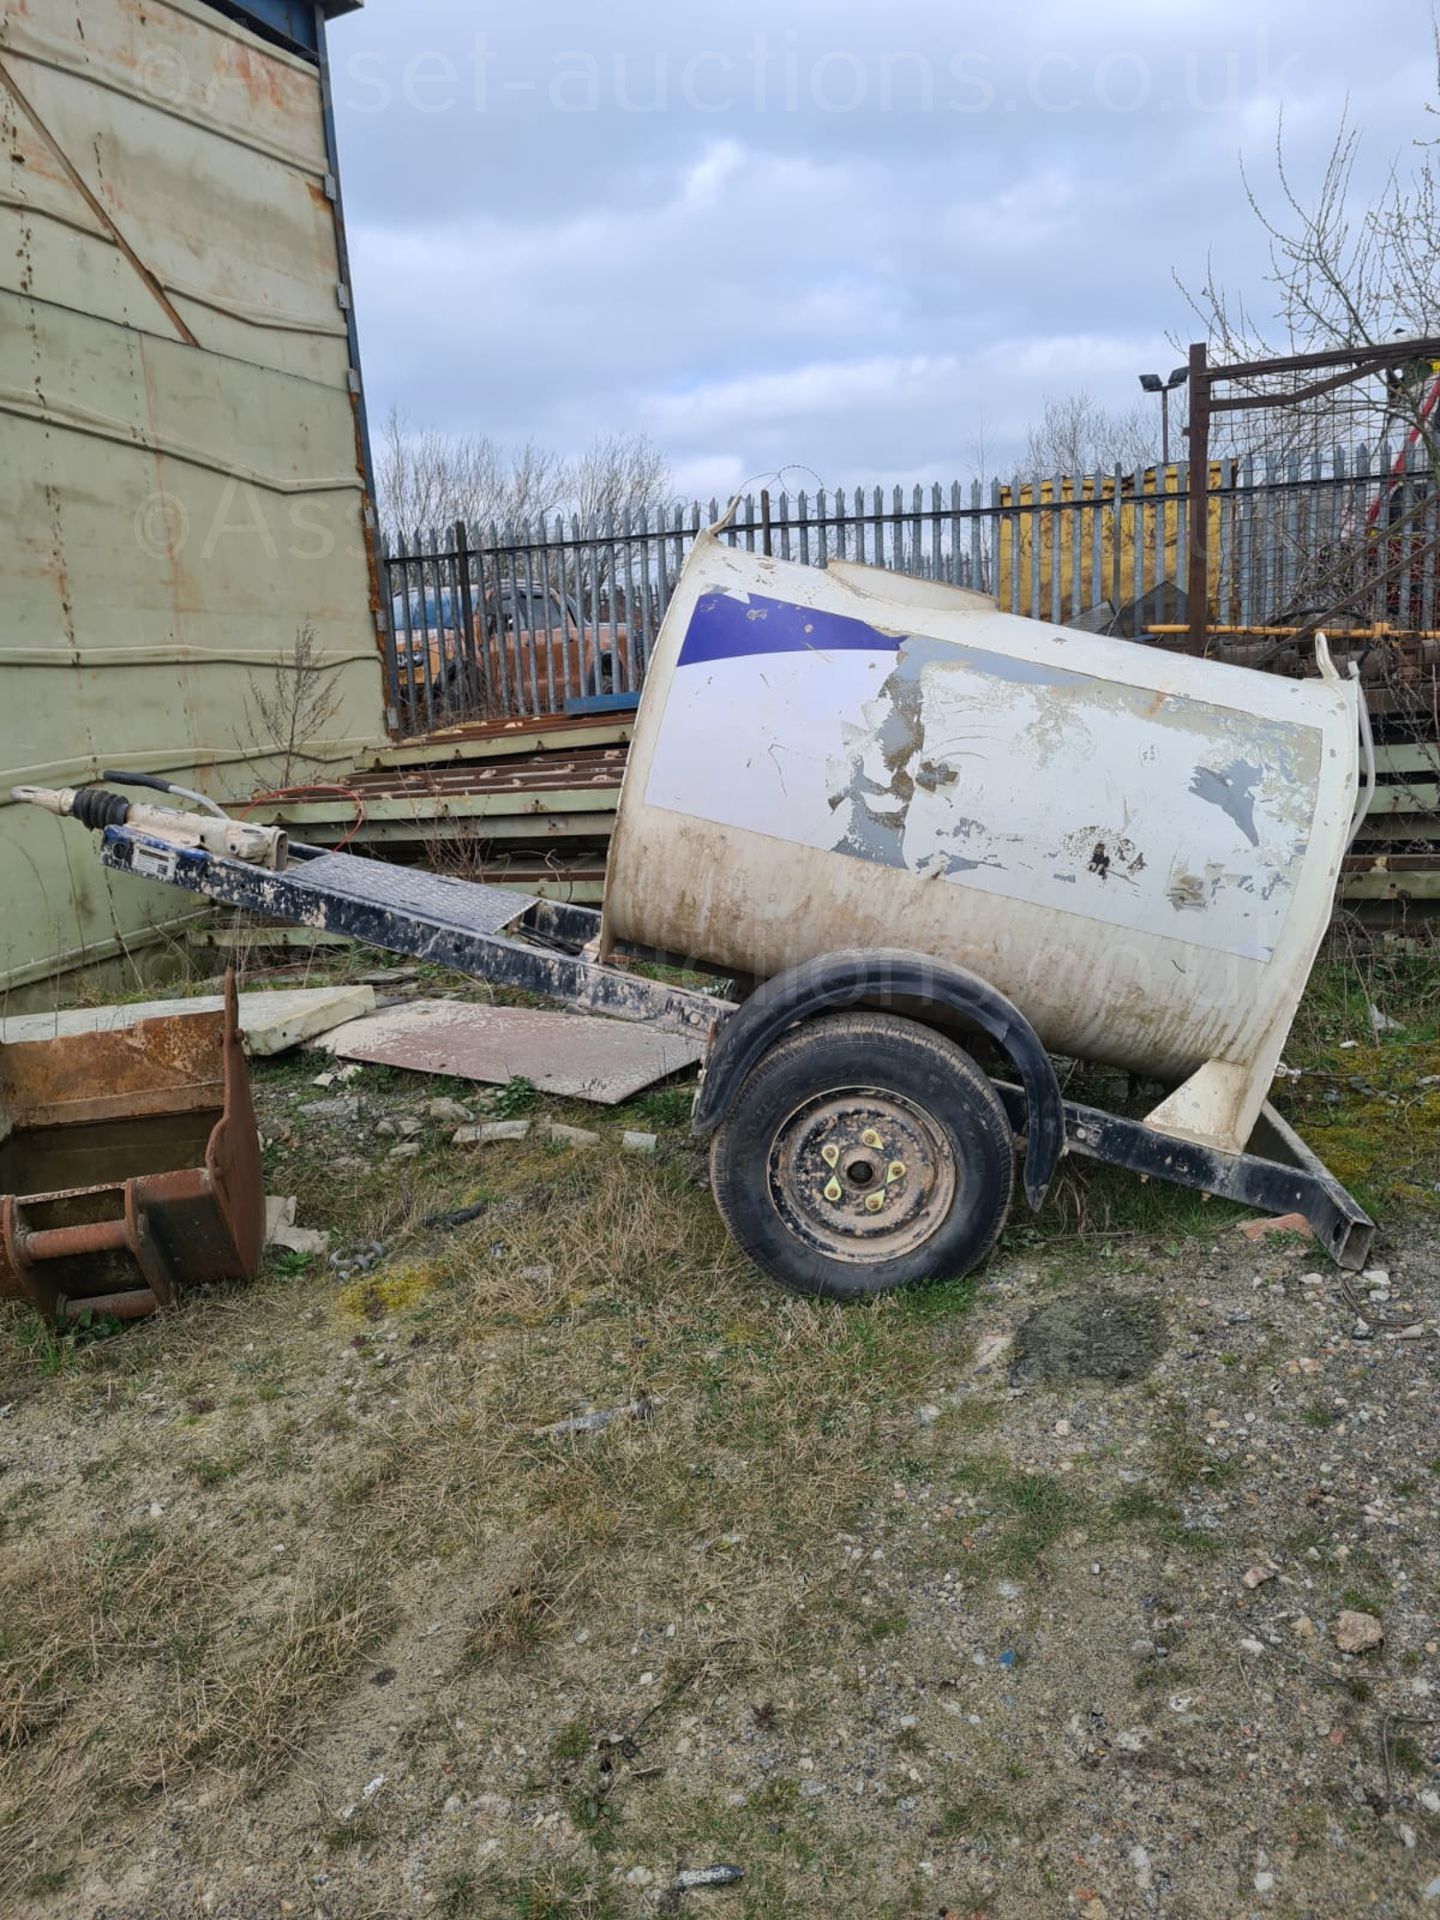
(1066, 543)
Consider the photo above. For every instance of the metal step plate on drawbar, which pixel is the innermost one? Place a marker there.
(462, 905)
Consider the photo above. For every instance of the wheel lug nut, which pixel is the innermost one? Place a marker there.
(874, 1202)
(870, 1138)
(832, 1190)
(830, 1155)
(895, 1171)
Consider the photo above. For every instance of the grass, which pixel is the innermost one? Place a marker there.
(1407, 1756)
(559, 1893)
(78, 1620)
(977, 1815)
(344, 1469)
(667, 1106)
(178, 1650)
(1363, 1101)
(51, 1351)
(1022, 1515)
(213, 1470)
(1182, 1459)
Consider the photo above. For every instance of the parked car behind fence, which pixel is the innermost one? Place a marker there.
(521, 651)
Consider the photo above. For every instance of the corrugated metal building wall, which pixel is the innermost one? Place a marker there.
(182, 447)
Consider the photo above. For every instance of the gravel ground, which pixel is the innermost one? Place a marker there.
(1020, 1600)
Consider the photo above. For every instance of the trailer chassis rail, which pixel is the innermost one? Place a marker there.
(506, 938)
(1282, 1177)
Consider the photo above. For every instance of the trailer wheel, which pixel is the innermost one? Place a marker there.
(864, 1152)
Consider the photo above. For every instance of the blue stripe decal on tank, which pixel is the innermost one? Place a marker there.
(724, 627)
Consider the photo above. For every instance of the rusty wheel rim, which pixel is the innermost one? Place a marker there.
(861, 1174)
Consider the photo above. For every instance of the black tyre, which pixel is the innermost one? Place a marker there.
(863, 1153)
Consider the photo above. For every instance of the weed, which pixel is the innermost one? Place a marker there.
(291, 1265)
(573, 1742)
(973, 1414)
(977, 1815)
(260, 1368)
(1137, 1506)
(594, 1812)
(667, 1106)
(1028, 1512)
(1203, 1541)
(293, 707)
(19, 1507)
(1359, 1601)
(50, 1880)
(1181, 1456)
(51, 1352)
(213, 1470)
(458, 1895)
(556, 1893)
(1407, 1755)
(362, 1829)
(516, 1097)
(775, 1798)
(524, 1612)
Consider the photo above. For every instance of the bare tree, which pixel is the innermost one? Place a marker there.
(1347, 269)
(537, 483)
(1343, 272)
(619, 473)
(430, 479)
(1077, 435)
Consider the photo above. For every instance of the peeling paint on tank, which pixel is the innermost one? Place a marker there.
(930, 778)
(1010, 668)
(1104, 852)
(1186, 892)
(894, 726)
(942, 865)
(1233, 791)
(958, 762)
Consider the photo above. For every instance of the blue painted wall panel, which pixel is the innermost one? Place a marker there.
(292, 22)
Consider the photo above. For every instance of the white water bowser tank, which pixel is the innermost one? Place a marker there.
(1138, 847)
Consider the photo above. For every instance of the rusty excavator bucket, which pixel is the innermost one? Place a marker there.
(129, 1166)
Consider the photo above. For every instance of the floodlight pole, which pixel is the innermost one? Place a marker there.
(1197, 583)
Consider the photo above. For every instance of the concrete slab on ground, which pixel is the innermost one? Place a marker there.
(570, 1054)
(272, 1022)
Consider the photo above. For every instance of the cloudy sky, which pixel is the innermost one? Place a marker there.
(862, 238)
